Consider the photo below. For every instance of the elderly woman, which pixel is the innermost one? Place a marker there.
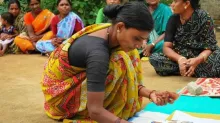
(190, 47)
(37, 22)
(161, 14)
(96, 76)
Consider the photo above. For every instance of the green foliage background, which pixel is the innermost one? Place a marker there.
(86, 9)
(168, 2)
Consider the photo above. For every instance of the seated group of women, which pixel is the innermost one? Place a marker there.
(40, 29)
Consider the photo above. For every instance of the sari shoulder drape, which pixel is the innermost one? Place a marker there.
(65, 88)
(42, 21)
(65, 27)
(20, 27)
(19, 23)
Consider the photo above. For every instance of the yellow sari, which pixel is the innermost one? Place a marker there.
(65, 88)
(40, 25)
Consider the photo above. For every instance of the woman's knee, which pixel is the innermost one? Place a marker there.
(154, 58)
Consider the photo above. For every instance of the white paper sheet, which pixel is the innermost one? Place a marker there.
(148, 117)
(181, 116)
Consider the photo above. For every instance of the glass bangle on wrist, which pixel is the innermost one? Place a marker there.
(139, 88)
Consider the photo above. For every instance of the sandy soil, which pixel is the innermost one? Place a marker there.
(21, 99)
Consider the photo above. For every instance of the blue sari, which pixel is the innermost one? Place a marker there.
(64, 30)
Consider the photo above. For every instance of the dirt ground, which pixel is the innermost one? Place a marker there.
(21, 99)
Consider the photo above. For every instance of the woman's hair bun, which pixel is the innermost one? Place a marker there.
(111, 11)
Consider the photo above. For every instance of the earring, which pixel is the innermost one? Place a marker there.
(185, 7)
(118, 31)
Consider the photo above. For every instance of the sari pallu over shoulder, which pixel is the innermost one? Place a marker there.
(65, 29)
(65, 88)
(42, 21)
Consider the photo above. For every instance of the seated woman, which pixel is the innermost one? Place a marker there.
(7, 27)
(15, 9)
(100, 16)
(161, 14)
(63, 26)
(37, 22)
(190, 47)
(96, 75)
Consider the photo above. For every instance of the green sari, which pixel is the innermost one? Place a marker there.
(19, 25)
(100, 18)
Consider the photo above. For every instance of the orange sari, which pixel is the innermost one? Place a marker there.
(40, 25)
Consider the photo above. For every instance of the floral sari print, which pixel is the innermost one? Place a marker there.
(64, 28)
(65, 87)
